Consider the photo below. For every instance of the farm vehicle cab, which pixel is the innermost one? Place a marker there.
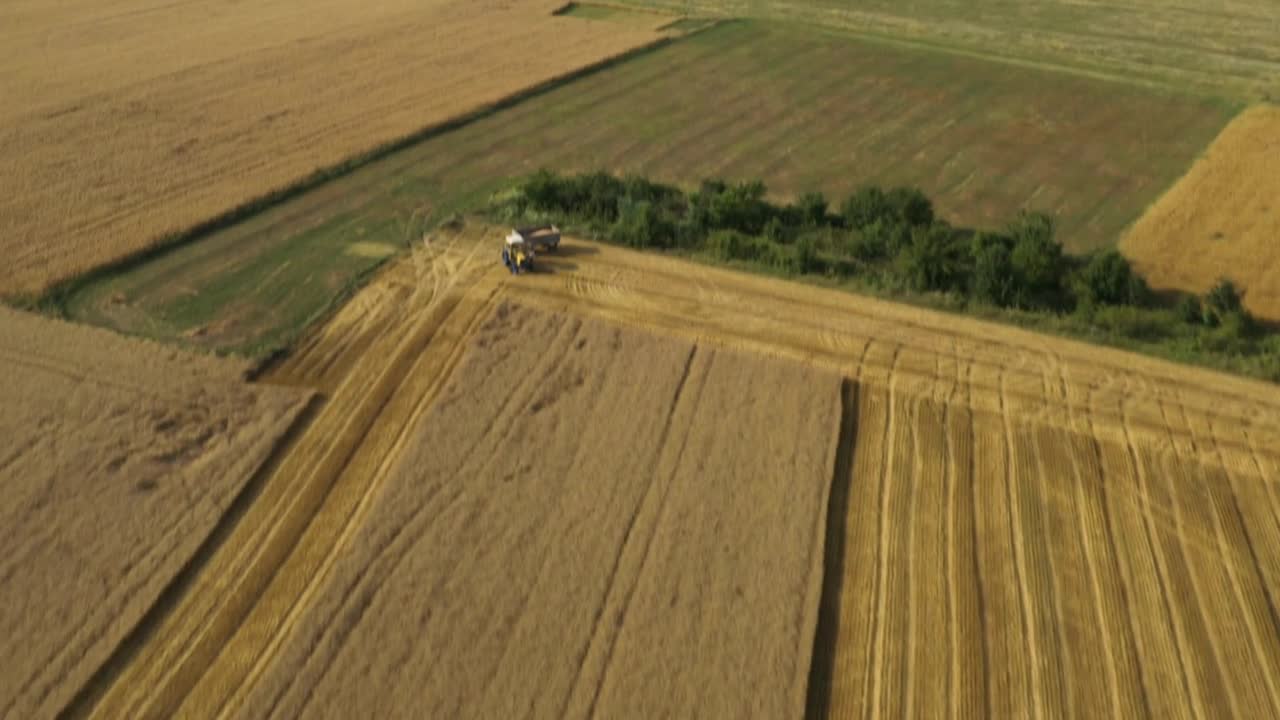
(523, 244)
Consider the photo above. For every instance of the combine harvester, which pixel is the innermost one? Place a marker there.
(524, 243)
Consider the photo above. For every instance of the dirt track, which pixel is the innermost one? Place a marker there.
(1097, 489)
(117, 459)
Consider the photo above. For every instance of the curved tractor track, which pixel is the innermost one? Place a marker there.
(1074, 530)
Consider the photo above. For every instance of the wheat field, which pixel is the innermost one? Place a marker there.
(131, 120)
(1018, 525)
(118, 459)
(1222, 219)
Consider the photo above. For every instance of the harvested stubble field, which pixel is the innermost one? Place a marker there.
(128, 121)
(744, 100)
(1222, 219)
(117, 459)
(1018, 525)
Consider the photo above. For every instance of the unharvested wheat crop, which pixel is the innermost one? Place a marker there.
(117, 458)
(127, 121)
(1222, 219)
(578, 543)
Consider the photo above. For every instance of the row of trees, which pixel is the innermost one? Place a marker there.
(891, 236)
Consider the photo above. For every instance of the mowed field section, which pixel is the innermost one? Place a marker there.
(1222, 219)
(117, 460)
(797, 109)
(128, 121)
(1231, 48)
(996, 568)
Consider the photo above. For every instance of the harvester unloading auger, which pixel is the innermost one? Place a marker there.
(524, 243)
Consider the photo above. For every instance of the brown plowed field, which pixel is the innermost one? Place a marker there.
(117, 460)
(129, 120)
(1222, 219)
(1019, 525)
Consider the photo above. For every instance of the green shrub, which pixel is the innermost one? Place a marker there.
(866, 206)
(993, 280)
(911, 206)
(931, 261)
(805, 259)
(1189, 311)
(740, 207)
(812, 208)
(1134, 323)
(774, 231)
(1038, 261)
(1108, 279)
(1222, 300)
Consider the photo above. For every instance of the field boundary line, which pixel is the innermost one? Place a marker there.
(826, 629)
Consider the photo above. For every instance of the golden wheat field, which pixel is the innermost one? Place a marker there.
(1222, 219)
(129, 120)
(119, 458)
(1017, 526)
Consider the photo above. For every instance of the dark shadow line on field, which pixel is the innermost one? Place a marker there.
(822, 666)
(87, 697)
(54, 300)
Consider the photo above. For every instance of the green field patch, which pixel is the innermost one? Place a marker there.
(372, 250)
(797, 108)
(1211, 47)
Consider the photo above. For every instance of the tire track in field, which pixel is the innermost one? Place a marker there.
(1205, 613)
(1162, 575)
(1252, 598)
(1016, 534)
(191, 638)
(624, 603)
(1047, 569)
(1084, 509)
(875, 648)
(397, 549)
(322, 550)
(630, 528)
(770, 342)
(1031, 398)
